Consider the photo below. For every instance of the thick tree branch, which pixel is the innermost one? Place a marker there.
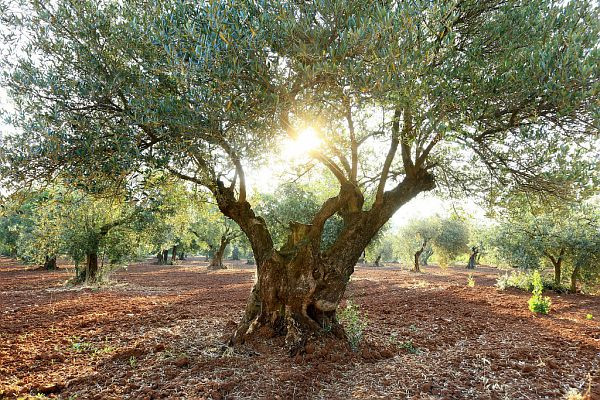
(389, 158)
(407, 137)
(353, 144)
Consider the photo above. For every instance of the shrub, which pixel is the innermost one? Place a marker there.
(470, 281)
(589, 316)
(574, 394)
(523, 280)
(516, 279)
(537, 302)
(409, 346)
(354, 323)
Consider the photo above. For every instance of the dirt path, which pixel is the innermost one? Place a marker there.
(158, 332)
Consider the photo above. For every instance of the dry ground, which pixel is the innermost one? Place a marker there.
(158, 332)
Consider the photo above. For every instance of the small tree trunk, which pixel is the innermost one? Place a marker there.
(174, 254)
(417, 267)
(557, 271)
(557, 263)
(91, 268)
(574, 276)
(159, 258)
(473, 258)
(377, 260)
(235, 254)
(50, 263)
(165, 256)
(217, 259)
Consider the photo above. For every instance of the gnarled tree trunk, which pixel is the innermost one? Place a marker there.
(473, 258)
(557, 264)
(299, 287)
(91, 267)
(217, 259)
(89, 273)
(417, 257)
(174, 254)
(377, 260)
(50, 263)
(427, 253)
(574, 276)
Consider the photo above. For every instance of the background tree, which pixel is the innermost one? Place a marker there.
(451, 240)
(172, 209)
(472, 95)
(415, 237)
(216, 232)
(565, 237)
(381, 248)
(28, 230)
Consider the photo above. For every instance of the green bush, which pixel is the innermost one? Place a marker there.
(537, 302)
(516, 279)
(354, 323)
(523, 280)
(470, 281)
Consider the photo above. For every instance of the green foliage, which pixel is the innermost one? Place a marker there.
(489, 96)
(451, 240)
(445, 238)
(470, 281)
(523, 280)
(294, 203)
(409, 346)
(415, 235)
(538, 303)
(382, 245)
(547, 234)
(516, 279)
(354, 322)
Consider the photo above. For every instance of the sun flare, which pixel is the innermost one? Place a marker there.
(307, 140)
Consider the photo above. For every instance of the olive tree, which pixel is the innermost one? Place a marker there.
(466, 94)
(451, 240)
(567, 238)
(216, 232)
(415, 238)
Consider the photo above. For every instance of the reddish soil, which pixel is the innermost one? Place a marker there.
(158, 332)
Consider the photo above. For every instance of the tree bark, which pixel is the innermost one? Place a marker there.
(165, 256)
(174, 254)
(50, 263)
(217, 259)
(299, 287)
(427, 253)
(417, 257)
(557, 263)
(574, 276)
(159, 258)
(90, 273)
